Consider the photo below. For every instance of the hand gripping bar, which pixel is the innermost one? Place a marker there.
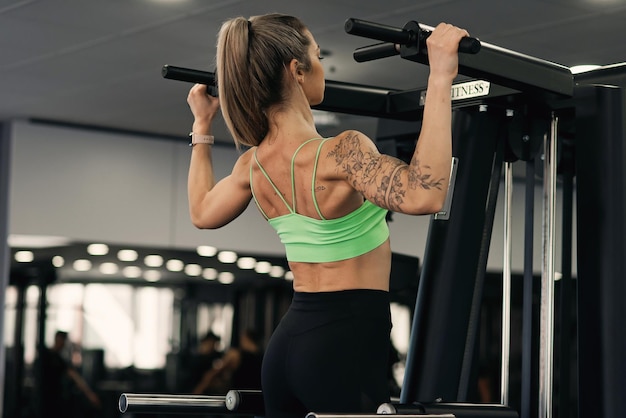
(412, 36)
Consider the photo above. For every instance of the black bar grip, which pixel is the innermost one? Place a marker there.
(187, 74)
(192, 76)
(377, 31)
(402, 36)
(374, 52)
(469, 45)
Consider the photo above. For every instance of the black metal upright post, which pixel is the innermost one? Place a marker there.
(601, 247)
(5, 170)
(450, 268)
(42, 315)
(18, 345)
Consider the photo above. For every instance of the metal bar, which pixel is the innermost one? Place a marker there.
(546, 340)
(527, 292)
(411, 35)
(339, 97)
(607, 73)
(506, 285)
(493, 63)
(444, 213)
(566, 302)
(374, 52)
(355, 99)
(511, 69)
(517, 71)
(246, 401)
(459, 410)
(379, 31)
(188, 74)
(171, 404)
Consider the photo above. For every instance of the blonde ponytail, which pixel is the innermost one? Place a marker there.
(251, 59)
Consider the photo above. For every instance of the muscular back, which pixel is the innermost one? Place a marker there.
(336, 197)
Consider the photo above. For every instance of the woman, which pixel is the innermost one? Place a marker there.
(327, 199)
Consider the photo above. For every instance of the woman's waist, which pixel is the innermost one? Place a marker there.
(309, 311)
(368, 271)
(373, 301)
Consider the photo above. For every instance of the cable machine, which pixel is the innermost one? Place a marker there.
(514, 108)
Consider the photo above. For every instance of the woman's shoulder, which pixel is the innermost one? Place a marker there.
(349, 140)
(245, 157)
(241, 169)
(351, 135)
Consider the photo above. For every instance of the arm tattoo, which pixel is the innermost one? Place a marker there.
(382, 173)
(419, 178)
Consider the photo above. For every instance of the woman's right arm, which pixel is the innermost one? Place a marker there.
(421, 186)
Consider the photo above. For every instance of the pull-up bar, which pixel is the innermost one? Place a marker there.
(411, 35)
(481, 60)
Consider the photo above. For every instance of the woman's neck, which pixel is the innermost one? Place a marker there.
(295, 123)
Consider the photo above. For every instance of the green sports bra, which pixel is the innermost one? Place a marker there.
(324, 240)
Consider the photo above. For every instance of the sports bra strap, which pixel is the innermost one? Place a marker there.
(271, 182)
(293, 183)
(254, 196)
(317, 155)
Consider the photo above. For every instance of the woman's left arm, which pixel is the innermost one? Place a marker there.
(213, 204)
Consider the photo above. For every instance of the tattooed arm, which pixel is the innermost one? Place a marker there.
(414, 188)
(421, 186)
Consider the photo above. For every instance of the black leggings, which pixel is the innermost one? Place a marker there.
(329, 354)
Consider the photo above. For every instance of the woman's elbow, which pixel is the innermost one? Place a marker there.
(436, 207)
(201, 222)
(426, 206)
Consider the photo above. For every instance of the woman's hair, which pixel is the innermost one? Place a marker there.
(252, 57)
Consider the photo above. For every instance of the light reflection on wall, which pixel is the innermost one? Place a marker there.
(109, 322)
(401, 320)
(153, 326)
(400, 335)
(10, 301)
(66, 302)
(132, 325)
(30, 323)
(217, 318)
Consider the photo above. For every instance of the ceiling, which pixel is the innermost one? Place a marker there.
(98, 63)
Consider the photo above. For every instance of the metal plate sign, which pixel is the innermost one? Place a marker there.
(468, 90)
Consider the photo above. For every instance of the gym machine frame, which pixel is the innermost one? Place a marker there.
(532, 95)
